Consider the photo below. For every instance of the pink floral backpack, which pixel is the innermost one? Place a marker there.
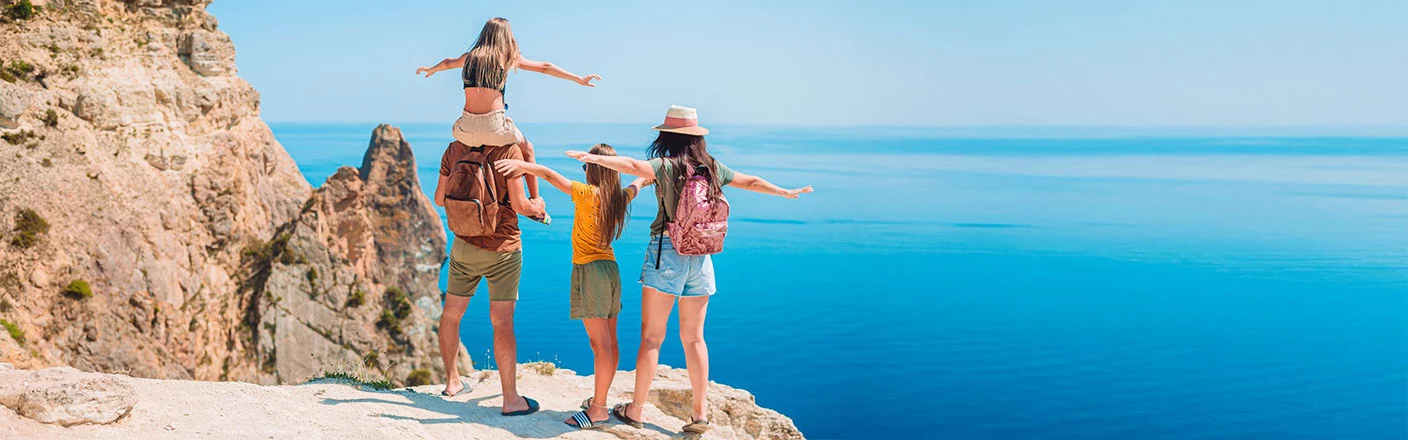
(699, 224)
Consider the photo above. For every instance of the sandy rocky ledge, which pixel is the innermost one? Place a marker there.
(64, 403)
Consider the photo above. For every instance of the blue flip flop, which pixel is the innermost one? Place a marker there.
(532, 408)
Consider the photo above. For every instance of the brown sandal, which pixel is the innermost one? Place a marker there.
(697, 427)
(620, 412)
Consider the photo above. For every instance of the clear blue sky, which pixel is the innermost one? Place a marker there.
(823, 62)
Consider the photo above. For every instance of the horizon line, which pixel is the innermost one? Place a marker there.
(1346, 130)
(925, 126)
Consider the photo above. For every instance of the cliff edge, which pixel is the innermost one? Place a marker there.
(65, 403)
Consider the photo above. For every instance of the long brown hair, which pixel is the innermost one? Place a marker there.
(688, 155)
(494, 53)
(614, 205)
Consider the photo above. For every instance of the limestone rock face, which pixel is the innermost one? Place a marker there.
(208, 53)
(353, 280)
(64, 396)
(14, 100)
(157, 184)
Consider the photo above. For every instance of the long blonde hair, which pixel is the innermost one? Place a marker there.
(615, 205)
(494, 53)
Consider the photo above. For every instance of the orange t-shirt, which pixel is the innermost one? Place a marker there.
(586, 224)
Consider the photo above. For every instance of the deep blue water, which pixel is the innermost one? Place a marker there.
(1002, 284)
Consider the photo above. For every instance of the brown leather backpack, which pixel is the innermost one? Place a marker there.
(475, 192)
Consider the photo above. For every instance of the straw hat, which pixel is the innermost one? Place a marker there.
(682, 120)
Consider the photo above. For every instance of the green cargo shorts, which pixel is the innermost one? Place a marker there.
(596, 290)
(469, 263)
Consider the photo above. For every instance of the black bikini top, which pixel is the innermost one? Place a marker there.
(468, 76)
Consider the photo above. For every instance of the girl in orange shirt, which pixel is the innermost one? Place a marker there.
(601, 209)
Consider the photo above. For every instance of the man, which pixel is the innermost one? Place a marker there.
(498, 258)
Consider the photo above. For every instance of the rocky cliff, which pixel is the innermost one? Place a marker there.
(150, 224)
(353, 279)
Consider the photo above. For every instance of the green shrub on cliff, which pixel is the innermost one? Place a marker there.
(28, 227)
(418, 377)
(396, 306)
(51, 118)
(263, 254)
(357, 298)
(14, 330)
(16, 70)
(388, 322)
(398, 302)
(17, 137)
(20, 68)
(78, 289)
(21, 10)
(352, 379)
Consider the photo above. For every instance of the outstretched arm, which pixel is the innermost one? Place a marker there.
(551, 69)
(758, 184)
(621, 164)
(446, 64)
(518, 198)
(517, 168)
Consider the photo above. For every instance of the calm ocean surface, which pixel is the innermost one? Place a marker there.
(1001, 284)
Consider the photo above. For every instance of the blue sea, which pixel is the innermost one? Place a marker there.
(1009, 283)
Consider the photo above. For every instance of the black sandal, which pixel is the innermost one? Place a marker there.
(620, 412)
(532, 408)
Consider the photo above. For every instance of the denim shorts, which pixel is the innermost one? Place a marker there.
(678, 275)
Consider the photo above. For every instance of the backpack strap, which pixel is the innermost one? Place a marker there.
(492, 176)
(484, 169)
(498, 154)
(659, 249)
(694, 170)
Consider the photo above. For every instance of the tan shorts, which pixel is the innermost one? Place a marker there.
(493, 128)
(596, 290)
(469, 263)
